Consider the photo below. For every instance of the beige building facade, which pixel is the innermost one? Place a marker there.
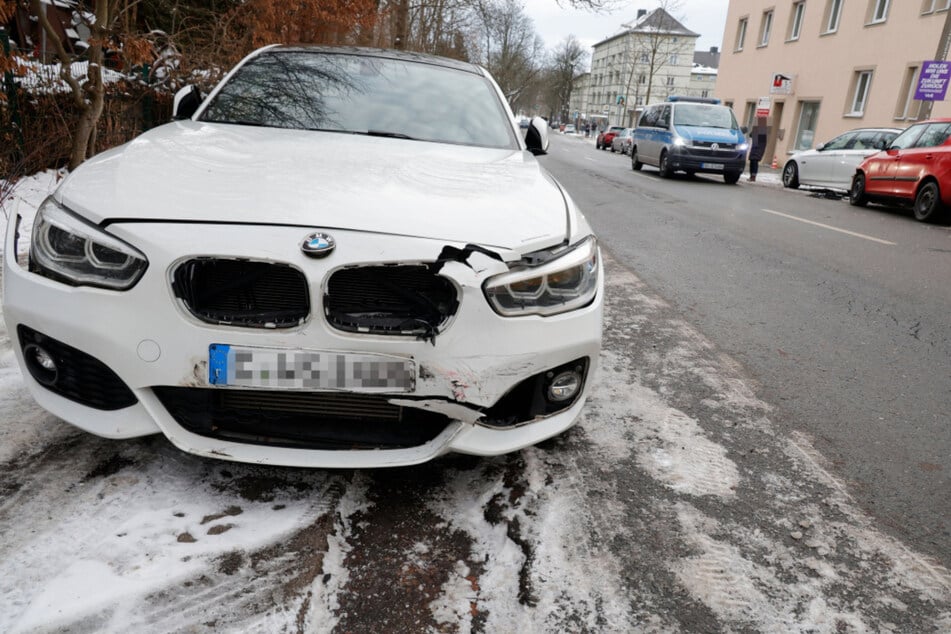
(826, 66)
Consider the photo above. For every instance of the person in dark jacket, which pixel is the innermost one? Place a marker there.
(757, 148)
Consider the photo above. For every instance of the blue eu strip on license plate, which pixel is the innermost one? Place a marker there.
(274, 368)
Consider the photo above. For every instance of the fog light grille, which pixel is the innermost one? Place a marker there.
(538, 396)
(71, 373)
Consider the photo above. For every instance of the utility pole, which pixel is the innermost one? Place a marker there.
(924, 110)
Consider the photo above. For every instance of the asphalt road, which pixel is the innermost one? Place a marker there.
(839, 315)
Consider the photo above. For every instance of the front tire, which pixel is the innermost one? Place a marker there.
(928, 207)
(791, 175)
(857, 195)
(663, 167)
(730, 178)
(635, 164)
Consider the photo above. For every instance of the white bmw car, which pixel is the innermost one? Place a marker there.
(339, 258)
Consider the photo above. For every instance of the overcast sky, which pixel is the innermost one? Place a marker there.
(553, 23)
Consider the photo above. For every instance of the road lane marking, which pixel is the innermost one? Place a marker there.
(829, 227)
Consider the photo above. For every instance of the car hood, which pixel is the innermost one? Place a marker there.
(207, 172)
(710, 135)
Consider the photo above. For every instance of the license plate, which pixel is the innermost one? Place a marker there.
(283, 369)
(712, 166)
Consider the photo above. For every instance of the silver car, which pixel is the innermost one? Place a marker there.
(622, 141)
(831, 165)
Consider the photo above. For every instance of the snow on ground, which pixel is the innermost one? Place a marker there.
(664, 510)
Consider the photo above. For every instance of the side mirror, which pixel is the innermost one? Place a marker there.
(186, 102)
(745, 130)
(536, 137)
(820, 147)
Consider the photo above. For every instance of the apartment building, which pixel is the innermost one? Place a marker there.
(578, 101)
(827, 66)
(649, 60)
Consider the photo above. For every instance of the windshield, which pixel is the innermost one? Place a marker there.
(360, 94)
(907, 138)
(704, 115)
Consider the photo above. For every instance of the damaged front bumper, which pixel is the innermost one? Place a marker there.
(480, 378)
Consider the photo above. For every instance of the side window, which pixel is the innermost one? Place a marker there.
(886, 139)
(934, 135)
(864, 141)
(645, 118)
(840, 142)
(664, 119)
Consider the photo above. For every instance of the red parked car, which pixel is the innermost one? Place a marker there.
(605, 137)
(914, 169)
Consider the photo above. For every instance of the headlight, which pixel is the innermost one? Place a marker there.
(679, 142)
(69, 249)
(567, 282)
(743, 147)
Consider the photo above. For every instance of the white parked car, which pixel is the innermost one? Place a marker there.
(570, 129)
(832, 165)
(302, 270)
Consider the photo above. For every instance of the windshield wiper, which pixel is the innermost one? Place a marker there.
(257, 124)
(392, 135)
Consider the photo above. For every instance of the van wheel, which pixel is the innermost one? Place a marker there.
(928, 206)
(730, 178)
(635, 164)
(663, 168)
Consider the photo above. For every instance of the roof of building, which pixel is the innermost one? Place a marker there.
(657, 21)
(709, 58)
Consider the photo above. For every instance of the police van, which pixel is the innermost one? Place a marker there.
(690, 135)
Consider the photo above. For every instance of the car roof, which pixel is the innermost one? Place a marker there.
(408, 56)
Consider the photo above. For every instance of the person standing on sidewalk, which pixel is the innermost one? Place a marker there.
(757, 147)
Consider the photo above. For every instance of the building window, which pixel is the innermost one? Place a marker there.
(765, 28)
(670, 80)
(878, 11)
(673, 59)
(704, 93)
(833, 13)
(860, 86)
(741, 34)
(808, 117)
(930, 6)
(907, 107)
(642, 79)
(645, 58)
(795, 21)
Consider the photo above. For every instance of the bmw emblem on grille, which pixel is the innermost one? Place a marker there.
(715, 146)
(318, 245)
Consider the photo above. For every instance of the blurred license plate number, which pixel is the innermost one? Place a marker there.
(712, 166)
(237, 366)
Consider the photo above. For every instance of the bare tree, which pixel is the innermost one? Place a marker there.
(509, 47)
(88, 92)
(655, 43)
(567, 61)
